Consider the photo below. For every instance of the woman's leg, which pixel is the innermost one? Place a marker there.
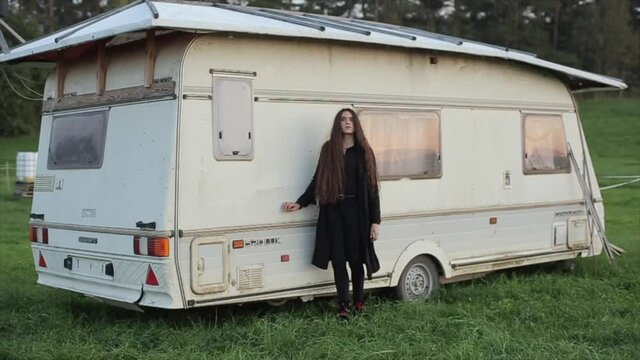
(338, 257)
(352, 247)
(342, 281)
(357, 277)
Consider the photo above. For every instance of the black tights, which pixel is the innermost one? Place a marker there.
(342, 280)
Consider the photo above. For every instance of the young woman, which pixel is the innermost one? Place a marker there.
(345, 187)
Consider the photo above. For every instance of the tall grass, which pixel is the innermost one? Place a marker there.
(531, 313)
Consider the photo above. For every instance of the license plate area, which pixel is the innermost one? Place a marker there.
(91, 267)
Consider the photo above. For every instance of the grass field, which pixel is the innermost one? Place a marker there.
(531, 313)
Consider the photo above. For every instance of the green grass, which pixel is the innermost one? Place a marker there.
(530, 313)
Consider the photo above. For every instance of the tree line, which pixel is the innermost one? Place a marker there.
(601, 36)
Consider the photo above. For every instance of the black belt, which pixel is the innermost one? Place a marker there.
(343, 196)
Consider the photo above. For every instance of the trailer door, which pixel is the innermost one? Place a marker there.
(209, 264)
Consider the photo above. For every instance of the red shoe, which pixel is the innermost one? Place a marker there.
(359, 306)
(343, 312)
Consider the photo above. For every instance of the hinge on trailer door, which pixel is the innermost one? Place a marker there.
(36, 216)
(146, 226)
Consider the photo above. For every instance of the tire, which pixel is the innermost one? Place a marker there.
(277, 302)
(419, 280)
(568, 266)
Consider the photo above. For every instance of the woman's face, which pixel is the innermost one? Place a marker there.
(346, 123)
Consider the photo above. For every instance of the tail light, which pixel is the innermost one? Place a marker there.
(39, 235)
(151, 246)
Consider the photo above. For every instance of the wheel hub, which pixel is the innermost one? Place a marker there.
(417, 282)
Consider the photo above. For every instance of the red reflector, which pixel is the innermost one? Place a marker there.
(493, 220)
(33, 234)
(41, 261)
(151, 277)
(284, 258)
(45, 236)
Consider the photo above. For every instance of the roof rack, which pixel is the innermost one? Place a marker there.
(432, 35)
(418, 32)
(94, 20)
(284, 18)
(321, 22)
(448, 38)
(153, 9)
(381, 30)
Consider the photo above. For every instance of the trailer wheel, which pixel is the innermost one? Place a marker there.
(567, 265)
(419, 280)
(277, 302)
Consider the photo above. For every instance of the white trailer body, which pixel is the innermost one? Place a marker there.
(199, 138)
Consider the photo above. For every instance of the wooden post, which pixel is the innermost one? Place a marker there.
(151, 58)
(101, 65)
(61, 71)
(7, 174)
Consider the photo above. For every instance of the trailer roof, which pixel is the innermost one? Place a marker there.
(192, 16)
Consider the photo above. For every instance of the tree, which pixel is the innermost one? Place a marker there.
(595, 35)
(618, 51)
(21, 86)
(19, 83)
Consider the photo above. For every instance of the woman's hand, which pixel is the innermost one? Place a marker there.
(290, 206)
(375, 232)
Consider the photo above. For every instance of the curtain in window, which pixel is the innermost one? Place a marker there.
(545, 144)
(405, 143)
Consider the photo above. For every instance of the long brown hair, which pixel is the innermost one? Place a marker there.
(329, 179)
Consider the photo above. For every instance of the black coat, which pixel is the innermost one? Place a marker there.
(369, 213)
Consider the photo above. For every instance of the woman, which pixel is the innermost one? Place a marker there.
(345, 186)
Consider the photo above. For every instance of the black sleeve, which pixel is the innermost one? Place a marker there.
(374, 205)
(309, 195)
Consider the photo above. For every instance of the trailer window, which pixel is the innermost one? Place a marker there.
(232, 117)
(77, 140)
(545, 145)
(406, 143)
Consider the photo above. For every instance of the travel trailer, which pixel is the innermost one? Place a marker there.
(172, 132)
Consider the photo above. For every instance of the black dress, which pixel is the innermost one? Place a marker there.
(343, 220)
(368, 212)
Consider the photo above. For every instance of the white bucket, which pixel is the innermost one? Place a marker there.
(26, 166)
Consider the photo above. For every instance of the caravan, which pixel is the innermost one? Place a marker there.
(172, 132)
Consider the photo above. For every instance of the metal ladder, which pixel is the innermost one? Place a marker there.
(610, 249)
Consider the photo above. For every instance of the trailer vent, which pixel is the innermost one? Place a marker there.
(250, 277)
(44, 183)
